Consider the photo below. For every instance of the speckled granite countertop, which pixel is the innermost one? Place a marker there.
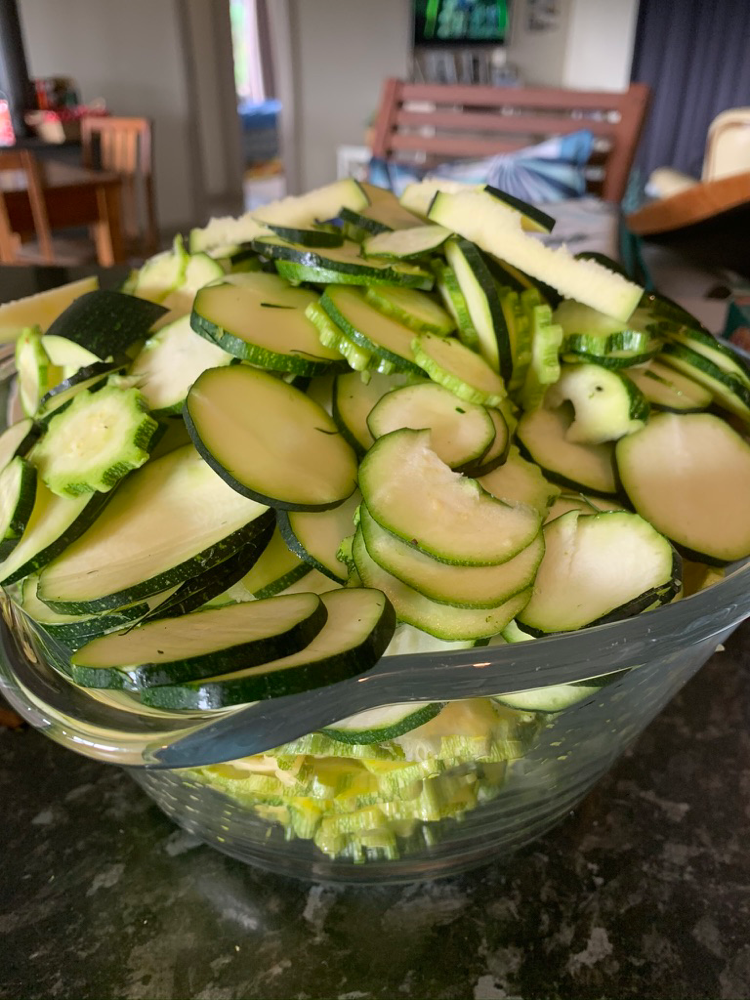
(643, 892)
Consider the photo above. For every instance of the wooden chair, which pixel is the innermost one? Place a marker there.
(125, 147)
(10, 241)
(442, 121)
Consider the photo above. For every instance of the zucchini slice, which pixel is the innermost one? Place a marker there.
(333, 337)
(316, 537)
(533, 219)
(689, 475)
(709, 347)
(458, 586)
(369, 328)
(415, 309)
(607, 404)
(519, 481)
(268, 440)
(91, 378)
(262, 320)
(95, 441)
(477, 216)
(307, 237)
(176, 650)
(406, 244)
(439, 620)
(276, 569)
(456, 367)
(728, 391)
(304, 210)
(17, 440)
(460, 432)
(447, 286)
(497, 452)
(68, 355)
(353, 400)
(168, 521)
(359, 627)
(542, 437)
(54, 524)
(667, 389)
(342, 265)
(35, 371)
(413, 494)
(170, 362)
(598, 569)
(483, 302)
(106, 322)
(204, 588)
(17, 492)
(380, 724)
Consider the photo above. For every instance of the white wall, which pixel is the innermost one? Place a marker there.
(156, 58)
(599, 49)
(590, 46)
(342, 50)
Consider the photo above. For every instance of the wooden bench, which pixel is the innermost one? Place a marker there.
(435, 122)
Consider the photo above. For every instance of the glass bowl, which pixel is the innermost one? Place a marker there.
(446, 798)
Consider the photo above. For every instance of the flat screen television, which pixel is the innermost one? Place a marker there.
(460, 22)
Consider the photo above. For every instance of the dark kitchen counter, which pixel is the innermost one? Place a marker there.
(644, 891)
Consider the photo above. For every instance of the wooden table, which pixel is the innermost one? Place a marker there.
(74, 196)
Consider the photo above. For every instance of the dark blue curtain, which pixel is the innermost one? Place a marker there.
(695, 56)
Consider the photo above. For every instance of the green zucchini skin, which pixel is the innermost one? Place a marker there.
(106, 322)
(198, 590)
(16, 516)
(244, 655)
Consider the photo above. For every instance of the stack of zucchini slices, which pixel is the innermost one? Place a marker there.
(237, 474)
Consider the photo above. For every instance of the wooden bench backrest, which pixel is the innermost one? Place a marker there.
(446, 121)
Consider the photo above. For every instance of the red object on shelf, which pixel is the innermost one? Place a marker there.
(7, 135)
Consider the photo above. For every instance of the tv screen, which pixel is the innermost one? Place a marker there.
(460, 22)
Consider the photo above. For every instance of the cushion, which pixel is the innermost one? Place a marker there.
(551, 171)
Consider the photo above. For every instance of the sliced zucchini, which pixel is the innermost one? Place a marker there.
(305, 210)
(17, 440)
(67, 355)
(380, 724)
(316, 537)
(458, 586)
(727, 390)
(440, 620)
(359, 627)
(95, 441)
(262, 320)
(446, 284)
(543, 369)
(477, 216)
(519, 481)
(710, 347)
(343, 265)
(41, 309)
(54, 524)
(17, 492)
(91, 378)
(518, 313)
(333, 337)
(689, 475)
(35, 372)
(170, 362)
(667, 389)
(307, 237)
(162, 273)
(497, 452)
(580, 502)
(607, 404)
(554, 698)
(105, 322)
(597, 569)
(268, 440)
(276, 569)
(369, 328)
(202, 589)
(460, 432)
(533, 219)
(201, 269)
(406, 244)
(200, 644)
(456, 367)
(483, 302)
(415, 309)
(413, 494)
(168, 521)
(542, 437)
(353, 399)
(418, 197)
